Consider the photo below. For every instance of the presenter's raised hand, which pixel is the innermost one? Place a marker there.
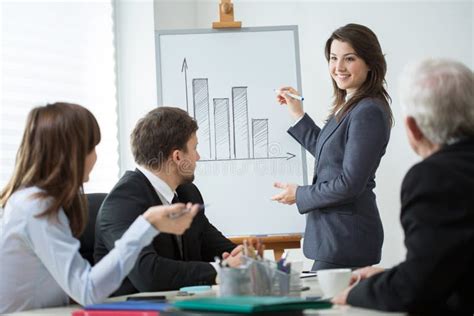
(288, 195)
(172, 219)
(294, 106)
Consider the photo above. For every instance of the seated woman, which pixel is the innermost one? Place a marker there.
(45, 210)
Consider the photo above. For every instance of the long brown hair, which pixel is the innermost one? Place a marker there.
(52, 156)
(367, 47)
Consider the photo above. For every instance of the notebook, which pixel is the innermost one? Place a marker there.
(251, 304)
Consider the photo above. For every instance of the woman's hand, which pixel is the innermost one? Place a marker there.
(294, 106)
(288, 195)
(166, 220)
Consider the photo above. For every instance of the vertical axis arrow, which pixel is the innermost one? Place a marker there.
(184, 68)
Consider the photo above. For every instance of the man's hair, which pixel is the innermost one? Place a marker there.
(159, 133)
(439, 95)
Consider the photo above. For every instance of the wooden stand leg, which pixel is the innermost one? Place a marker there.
(278, 252)
(276, 243)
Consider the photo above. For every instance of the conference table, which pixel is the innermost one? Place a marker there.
(312, 283)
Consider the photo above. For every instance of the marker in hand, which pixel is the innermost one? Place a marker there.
(186, 210)
(294, 96)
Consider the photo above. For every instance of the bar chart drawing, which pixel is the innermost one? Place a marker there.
(225, 80)
(232, 135)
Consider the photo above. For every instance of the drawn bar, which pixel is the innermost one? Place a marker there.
(241, 124)
(260, 138)
(202, 116)
(222, 128)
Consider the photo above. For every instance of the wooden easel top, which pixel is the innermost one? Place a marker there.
(226, 16)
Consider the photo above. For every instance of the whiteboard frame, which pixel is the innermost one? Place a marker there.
(293, 28)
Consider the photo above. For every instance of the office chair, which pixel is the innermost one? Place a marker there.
(87, 238)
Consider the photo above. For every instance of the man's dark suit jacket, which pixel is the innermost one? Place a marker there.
(159, 266)
(437, 216)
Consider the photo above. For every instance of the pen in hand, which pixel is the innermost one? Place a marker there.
(186, 210)
(294, 96)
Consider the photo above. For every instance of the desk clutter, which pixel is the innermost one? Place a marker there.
(232, 305)
(256, 275)
(257, 287)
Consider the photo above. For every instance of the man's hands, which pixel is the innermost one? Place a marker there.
(233, 258)
(160, 217)
(364, 273)
(288, 195)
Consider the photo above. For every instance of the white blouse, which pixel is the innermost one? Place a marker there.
(40, 263)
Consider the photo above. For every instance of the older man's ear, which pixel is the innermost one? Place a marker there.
(418, 141)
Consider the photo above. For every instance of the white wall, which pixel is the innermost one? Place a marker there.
(136, 71)
(406, 29)
(136, 67)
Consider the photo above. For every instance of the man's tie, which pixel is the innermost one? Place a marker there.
(179, 238)
(175, 199)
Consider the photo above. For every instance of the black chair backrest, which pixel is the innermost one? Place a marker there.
(87, 239)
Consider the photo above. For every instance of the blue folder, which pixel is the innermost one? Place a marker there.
(130, 306)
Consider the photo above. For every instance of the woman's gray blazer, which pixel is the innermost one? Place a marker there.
(343, 224)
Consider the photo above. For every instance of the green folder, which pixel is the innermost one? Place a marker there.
(250, 304)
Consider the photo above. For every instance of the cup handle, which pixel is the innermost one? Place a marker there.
(358, 279)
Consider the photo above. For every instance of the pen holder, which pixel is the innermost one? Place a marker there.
(253, 277)
(234, 281)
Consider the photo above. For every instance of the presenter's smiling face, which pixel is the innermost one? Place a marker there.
(187, 164)
(347, 69)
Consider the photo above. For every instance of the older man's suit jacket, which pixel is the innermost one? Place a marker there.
(343, 224)
(160, 265)
(437, 276)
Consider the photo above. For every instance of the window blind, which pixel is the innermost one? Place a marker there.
(59, 51)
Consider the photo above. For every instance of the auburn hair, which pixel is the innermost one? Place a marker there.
(52, 156)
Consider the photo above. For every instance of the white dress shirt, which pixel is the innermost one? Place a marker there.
(40, 263)
(161, 187)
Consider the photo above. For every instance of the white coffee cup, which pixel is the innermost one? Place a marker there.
(333, 281)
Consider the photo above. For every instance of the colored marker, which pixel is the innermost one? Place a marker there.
(294, 96)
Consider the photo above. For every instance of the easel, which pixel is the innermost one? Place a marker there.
(226, 16)
(277, 243)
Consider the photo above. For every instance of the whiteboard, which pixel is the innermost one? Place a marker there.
(225, 79)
